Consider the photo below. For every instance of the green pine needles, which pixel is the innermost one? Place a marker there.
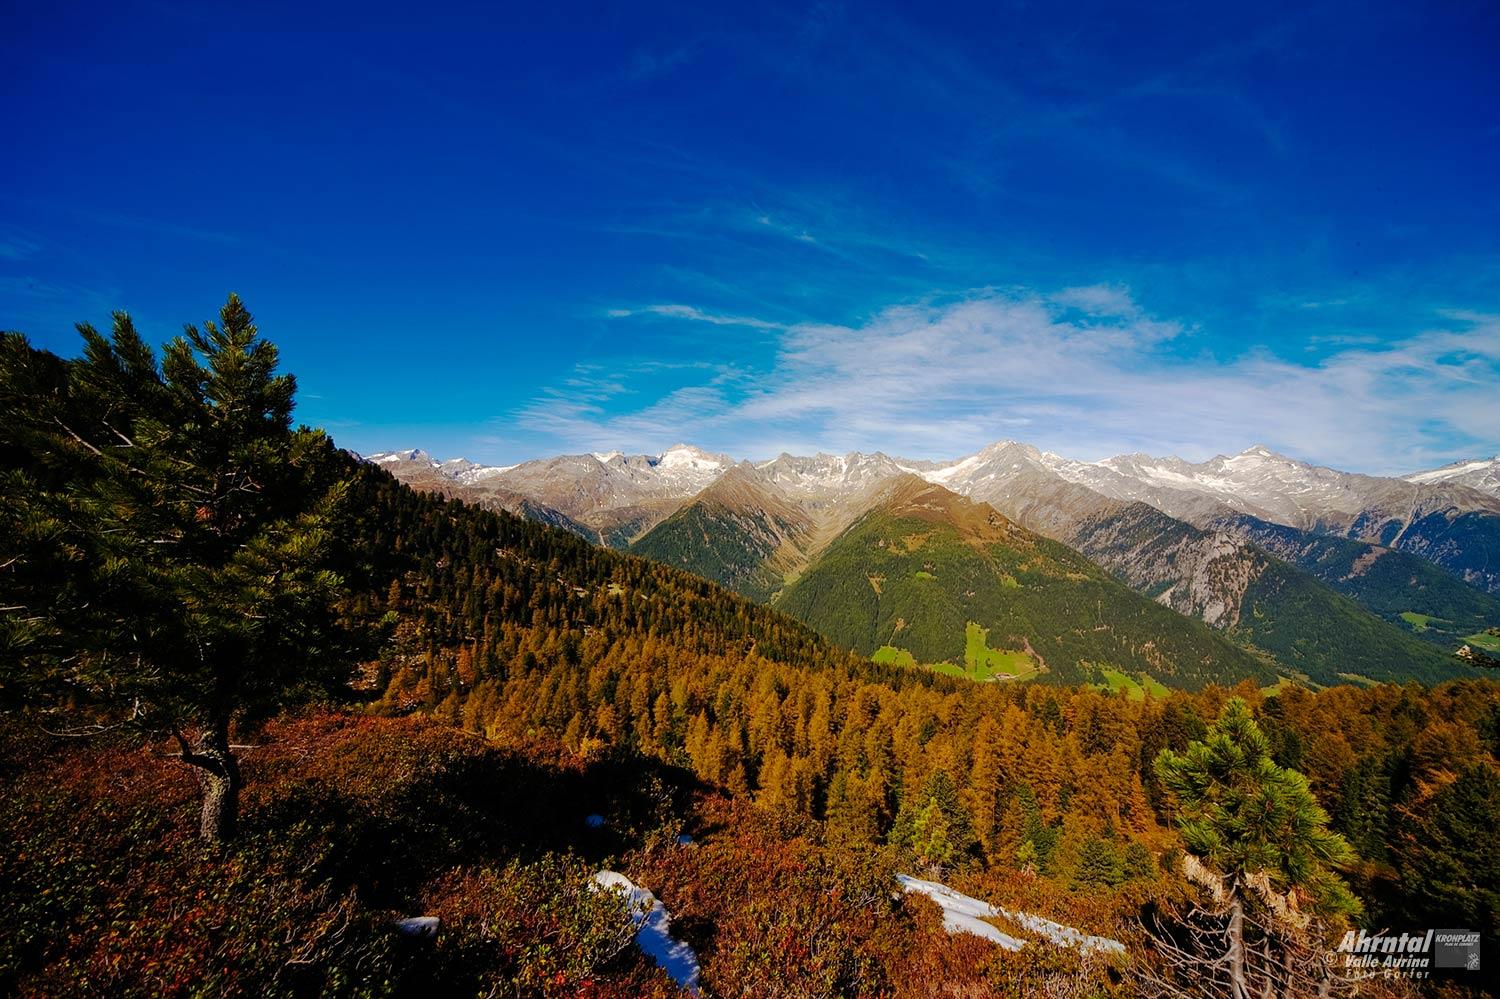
(1249, 819)
(1259, 846)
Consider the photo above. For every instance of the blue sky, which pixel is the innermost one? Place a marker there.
(502, 231)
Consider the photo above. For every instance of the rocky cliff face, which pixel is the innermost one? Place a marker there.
(1203, 574)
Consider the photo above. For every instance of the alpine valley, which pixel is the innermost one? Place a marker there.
(1015, 564)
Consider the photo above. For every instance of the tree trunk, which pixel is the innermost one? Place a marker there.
(1237, 984)
(218, 783)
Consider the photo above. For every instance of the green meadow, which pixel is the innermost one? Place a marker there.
(1484, 640)
(1135, 687)
(981, 662)
(1421, 622)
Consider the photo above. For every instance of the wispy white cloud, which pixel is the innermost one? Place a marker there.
(1099, 300)
(696, 315)
(1083, 371)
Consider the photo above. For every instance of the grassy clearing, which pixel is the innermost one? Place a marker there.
(979, 658)
(1022, 668)
(1137, 687)
(1484, 640)
(1117, 682)
(981, 663)
(1281, 684)
(892, 656)
(1421, 622)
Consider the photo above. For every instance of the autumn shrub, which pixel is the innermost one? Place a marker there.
(535, 928)
(350, 823)
(777, 915)
(109, 893)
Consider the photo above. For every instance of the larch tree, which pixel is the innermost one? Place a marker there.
(169, 540)
(986, 781)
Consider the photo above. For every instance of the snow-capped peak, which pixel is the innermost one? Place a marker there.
(1006, 455)
(823, 476)
(1260, 453)
(460, 470)
(685, 456)
(1257, 481)
(1476, 473)
(391, 457)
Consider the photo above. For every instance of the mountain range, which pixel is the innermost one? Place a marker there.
(1302, 571)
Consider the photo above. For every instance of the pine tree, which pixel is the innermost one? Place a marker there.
(1251, 820)
(929, 840)
(1099, 864)
(934, 824)
(1449, 848)
(1259, 846)
(189, 584)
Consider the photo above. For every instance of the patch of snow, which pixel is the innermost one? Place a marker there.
(961, 913)
(1479, 473)
(653, 933)
(948, 474)
(1063, 936)
(966, 914)
(418, 926)
(479, 473)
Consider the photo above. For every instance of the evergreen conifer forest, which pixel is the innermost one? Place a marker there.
(263, 702)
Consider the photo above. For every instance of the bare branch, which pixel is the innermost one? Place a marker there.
(75, 436)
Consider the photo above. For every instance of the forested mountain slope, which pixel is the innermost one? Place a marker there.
(917, 569)
(1309, 626)
(737, 532)
(1396, 585)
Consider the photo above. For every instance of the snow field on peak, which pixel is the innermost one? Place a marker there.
(391, 457)
(686, 456)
